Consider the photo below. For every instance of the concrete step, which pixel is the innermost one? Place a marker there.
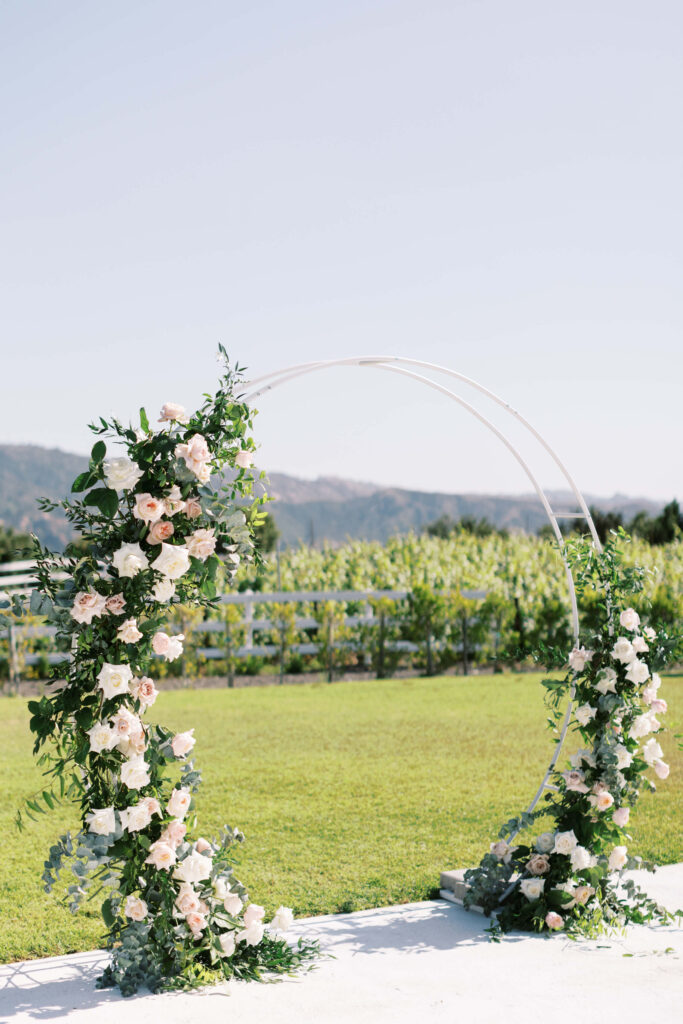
(454, 887)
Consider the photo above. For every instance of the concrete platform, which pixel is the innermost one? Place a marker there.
(423, 962)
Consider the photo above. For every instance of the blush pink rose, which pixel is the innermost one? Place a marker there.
(128, 632)
(661, 769)
(201, 544)
(554, 921)
(193, 508)
(201, 845)
(179, 802)
(187, 900)
(115, 604)
(88, 605)
(174, 833)
(148, 508)
(244, 459)
(161, 643)
(659, 706)
(160, 532)
(161, 855)
(144, 690)
(135, 909)
(171, 411)
(538, 864)
(252, 914)
(196, 922)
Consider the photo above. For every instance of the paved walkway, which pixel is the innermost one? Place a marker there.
(422, 962)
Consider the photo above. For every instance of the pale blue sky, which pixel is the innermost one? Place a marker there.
(494, 186)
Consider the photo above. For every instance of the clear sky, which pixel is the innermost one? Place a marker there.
(493, 186)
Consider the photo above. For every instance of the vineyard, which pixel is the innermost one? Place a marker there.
(431, 626)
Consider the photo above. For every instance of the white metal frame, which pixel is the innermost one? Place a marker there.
(407, 367)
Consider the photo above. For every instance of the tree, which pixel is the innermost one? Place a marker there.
(13, 545)
(266, 534)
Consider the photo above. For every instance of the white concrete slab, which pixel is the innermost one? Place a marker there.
(423, 962)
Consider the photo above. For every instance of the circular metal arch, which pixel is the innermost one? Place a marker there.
(407, 367)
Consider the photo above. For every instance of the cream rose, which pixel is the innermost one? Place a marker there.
(565, 842)
(227, 941)
(579, 658)
(621, 816)
(114, 680)
(503, 851)
(135, 909)
(163, 591)
(136, 817)
(575, 781)
(174, 833)
(252, 935)
(194, 868)
(545, 842)
(637, 672)
(88, 605)
(532, 888)
(580, 858)
(174, 501)
(253, 913)
(601, 801)
(129, 560)
(179, 803)
(650, 633)
(584, 714)
(169, 647)
(232, 904)
(173, 562)
(161, 856)
(121, 474)
(102, 737)
(607, 681)
(629, 619)
(201, 544)
(244, 459)
(640, 645)
(624, 756)
(171, 411)
(642, 725)
(617, 858)
(538, 864)
(128, 632)
(101, 821)
(193, 508)
(182, 743)
(283, 919)
(187, 900)
(661, 769)
(623, 651)
(135, 773)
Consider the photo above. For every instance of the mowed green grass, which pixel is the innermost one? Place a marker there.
(351, 795)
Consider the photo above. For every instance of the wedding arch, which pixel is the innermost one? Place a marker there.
(159, 525)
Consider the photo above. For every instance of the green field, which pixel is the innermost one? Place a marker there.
(351, 795)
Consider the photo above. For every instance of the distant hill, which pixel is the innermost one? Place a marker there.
(328, 508)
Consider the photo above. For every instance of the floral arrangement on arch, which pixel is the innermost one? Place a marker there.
(569, 877)
(156, 531)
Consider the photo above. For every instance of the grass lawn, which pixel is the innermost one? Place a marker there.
(352, 795)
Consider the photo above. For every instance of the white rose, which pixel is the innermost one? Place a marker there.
(221, 888)
(649, 633)
(102, 737)
(179, 803)
(114, 680)
(624, 757)
(227, 941)
(584, 714)
(652, 751)
(129, 560)
(283, 919)
(121, 474)
(629, 619)
(137, 817)
(532, 888)
(201, 544)
(163, 591)
(244, 460)
(640, 645)
(581, 859)
(252, 935)
(661, 769)
(173, 561)
(617, 858)
(174, 502)
(194, 868)
(579, 657)
(623, 651)
(607, 681)
(565, 842)
(637, 672)
(135, 909)
(232, 904)
(582, 757)
(172, 411)
(135, 773)
(128, 632)
(545, 842)
(102, 822)
(502, 850)
(642, 726)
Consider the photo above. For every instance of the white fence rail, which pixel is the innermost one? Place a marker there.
(17, 577)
